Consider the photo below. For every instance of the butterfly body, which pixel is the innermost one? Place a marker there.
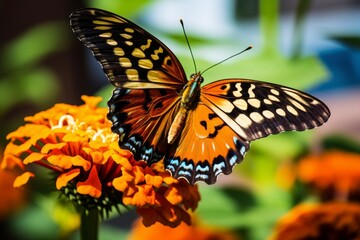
(189, 99)
(198, 132)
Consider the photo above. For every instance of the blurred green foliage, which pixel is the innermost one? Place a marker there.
(22, 76)
(251, 210)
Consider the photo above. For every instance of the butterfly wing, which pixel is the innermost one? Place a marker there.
(142, 119)
(230, 114)
(130, 56)
(207, 147)
(255, 109)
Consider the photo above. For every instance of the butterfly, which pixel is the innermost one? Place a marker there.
(160, 114)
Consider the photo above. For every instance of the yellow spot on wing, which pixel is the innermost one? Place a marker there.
(129, 30)
(99, 22)
(126, 36)
(147, 45)
(105, 35)
(102, 28)
(156, 76)
(111, 42)
(155, 56)
(145, 63)
(129, 43)
(112, 19)
(138, 53)
(125, 62)
(132, 74)
(119, 51)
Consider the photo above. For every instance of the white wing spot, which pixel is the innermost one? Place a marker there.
(251, 91)
(273, 98)
(296, 97)
(268, 114)
(267, 101)
(292, 110)
(254, 102)
(237, 92)
(275, 92)
(281, 112)
(241, 104)
(243, 120)
(297, 105)
(256, 117)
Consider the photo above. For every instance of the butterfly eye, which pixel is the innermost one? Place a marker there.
(192, 75)
(201, 79)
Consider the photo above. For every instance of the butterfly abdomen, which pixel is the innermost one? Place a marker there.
(189, 98)
(177, 125)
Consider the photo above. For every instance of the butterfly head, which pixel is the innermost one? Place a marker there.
(196, 77)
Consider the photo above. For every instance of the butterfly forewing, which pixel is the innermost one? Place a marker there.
(130, 56)
(257, 109)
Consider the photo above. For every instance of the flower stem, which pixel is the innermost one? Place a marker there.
(89, 224)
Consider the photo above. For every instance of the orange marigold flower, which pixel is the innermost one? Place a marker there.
(183, 231)
(76, 143)
(325, 221)
(333, 174)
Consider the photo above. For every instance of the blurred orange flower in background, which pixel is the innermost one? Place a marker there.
(11, 199)
(323, 221)
(77, 145)
(182, 232)
(335, 174)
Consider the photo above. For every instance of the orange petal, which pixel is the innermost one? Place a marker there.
(91, 101)
(124, 162)
(80, 161)
(91, 186)
(23, 179)
(10, 161)
(51, 146)
(64, 178)
(33, 157)
(173, 195)
(61, 161)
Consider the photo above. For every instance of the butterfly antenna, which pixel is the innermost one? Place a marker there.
(248, 48)
(187, 41)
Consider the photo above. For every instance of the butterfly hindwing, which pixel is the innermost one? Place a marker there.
(255, 109)
(142, 119)
(130, 56)
(207, 148)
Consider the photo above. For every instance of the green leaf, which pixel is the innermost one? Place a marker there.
(34, 45)
(123, 8)
(341, 142)
(24, 86)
